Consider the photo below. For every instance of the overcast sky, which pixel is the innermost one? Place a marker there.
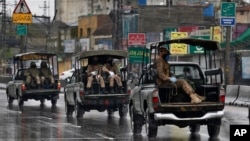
(35, 6)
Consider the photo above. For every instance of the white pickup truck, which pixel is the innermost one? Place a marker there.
(155, 106)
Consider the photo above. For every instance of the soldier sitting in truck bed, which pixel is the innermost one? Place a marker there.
(163, 79)
(47, 78)
(32, 76)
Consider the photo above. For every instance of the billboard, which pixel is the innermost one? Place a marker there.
(136, 39)
(69, 46)
(178, 48)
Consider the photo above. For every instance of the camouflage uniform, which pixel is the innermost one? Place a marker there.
(45, 73)
(116, 77)
(163, 79)
(32, 73)
(91, 68)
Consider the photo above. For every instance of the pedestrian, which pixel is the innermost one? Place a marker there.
(164, 78)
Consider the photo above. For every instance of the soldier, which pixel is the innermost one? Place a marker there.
(46, 73)
(164, 77)
(114, 75)
(32, 73)
(94, 70)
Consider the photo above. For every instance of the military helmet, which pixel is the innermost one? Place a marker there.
(33, 65)
(43, 64)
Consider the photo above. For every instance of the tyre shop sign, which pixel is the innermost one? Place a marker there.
(136, 39)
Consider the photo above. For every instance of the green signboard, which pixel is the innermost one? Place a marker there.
(136, 55)
(167, 32)
(198, 49)
(21, 30)
(228, 9)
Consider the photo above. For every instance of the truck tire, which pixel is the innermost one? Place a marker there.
(42, 101)
(213, 130)
(20, 100)
(110, 112)
(151, 125)
(136, 121)
(69, 109)
(53, 102)
(194, 128)
(10, 99)
(123, 110)
(79, 110)
(213, 127)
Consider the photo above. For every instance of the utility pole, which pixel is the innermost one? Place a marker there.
(3, 28)
(116, 24)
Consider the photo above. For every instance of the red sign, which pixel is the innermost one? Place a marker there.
(136, 39)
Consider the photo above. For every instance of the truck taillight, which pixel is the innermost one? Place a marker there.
(59, 86)
(155, 100)
(81, 93)
(23, 87)
(222, 95)
(128, 91)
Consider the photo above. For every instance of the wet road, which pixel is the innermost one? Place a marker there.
(37, 122)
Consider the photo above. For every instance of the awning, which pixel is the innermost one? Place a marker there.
(242, 39)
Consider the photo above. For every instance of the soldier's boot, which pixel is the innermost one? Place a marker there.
(120, 89)
(195, 99)
(111, 90)
(202, 98)
(103, 91)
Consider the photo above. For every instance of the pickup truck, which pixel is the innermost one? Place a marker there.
(155, 106)
(79, 101)
(17, 88)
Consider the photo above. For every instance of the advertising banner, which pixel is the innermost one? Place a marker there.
(136, 55)
(216, 33)
(84, 44)
(178, 48)
(136, 39)
(69, 46)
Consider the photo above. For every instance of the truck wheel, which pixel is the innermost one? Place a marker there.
(10, 99)
(213, 130)
(69, 109)
(20, 100)
(123, 110)
(194, 128)
(42, 101)
(53, 102)
(136, 121)
(79, 110)
(151, 125)
(110, 112)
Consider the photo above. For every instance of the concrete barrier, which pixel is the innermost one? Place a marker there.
(244, 96)
(232, 93)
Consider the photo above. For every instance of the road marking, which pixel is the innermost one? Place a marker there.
(104, 136)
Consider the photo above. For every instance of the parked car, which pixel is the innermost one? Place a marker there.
(66, 74)
(156, 106)
(18, 89)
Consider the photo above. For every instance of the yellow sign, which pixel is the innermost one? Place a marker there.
(178, 48)
(22, 13)
(216, 33)
(22, 18)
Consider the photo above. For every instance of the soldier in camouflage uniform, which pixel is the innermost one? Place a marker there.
(164, 77)
(114, 74)
(92, 67)
(32, 73)
(46, 73)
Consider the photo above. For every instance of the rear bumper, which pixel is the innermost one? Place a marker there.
(105, 100)
(209, 115)
(38, 94)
